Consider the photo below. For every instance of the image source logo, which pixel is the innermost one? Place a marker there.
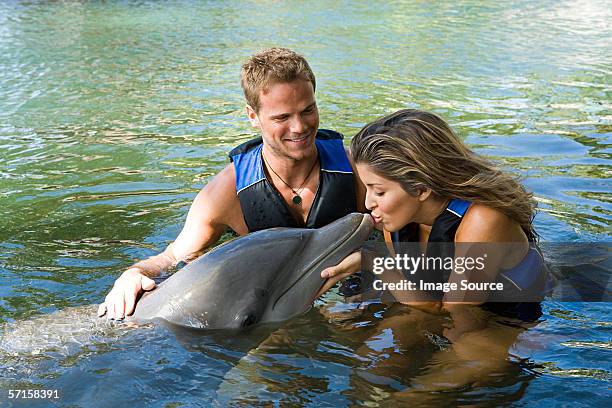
(411, 264)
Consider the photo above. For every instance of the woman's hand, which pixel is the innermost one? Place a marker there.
(334, 274)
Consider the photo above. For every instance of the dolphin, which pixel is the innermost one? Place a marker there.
(267, 276)
(264, 277)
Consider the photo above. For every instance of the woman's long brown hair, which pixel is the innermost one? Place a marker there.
(419, 150)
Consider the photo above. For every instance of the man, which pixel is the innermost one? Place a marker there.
(295, 175)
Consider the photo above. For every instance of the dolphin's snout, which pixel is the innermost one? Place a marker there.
(364, 222)
(369, 220)
(353, 227)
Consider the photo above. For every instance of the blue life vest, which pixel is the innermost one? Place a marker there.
(531, 274)
(263, 206)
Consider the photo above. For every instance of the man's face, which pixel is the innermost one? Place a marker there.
(288, 119)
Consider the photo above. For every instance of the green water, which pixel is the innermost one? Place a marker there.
(114, 114)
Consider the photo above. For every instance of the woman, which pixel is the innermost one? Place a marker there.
(434, 196)
(424, 185)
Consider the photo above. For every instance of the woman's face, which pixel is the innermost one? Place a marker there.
(390, 204)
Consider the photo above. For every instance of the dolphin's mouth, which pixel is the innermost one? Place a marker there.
(314, 265)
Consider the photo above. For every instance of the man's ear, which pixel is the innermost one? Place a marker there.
(253, 118)
(424, 193)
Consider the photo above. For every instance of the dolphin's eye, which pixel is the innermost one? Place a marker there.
(249, 320)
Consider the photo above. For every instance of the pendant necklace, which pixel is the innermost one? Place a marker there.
(297, 199)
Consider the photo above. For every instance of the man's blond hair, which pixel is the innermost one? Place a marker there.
(269, 67)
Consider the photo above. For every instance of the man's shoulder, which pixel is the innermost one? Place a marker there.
(218, 203)
(224, 181)
(220, 190)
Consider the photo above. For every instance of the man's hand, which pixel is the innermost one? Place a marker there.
(121, 300)
(334, 274)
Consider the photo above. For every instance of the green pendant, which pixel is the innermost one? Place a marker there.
(297, 200)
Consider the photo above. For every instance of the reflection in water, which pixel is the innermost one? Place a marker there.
(338, 353)
(378, 353)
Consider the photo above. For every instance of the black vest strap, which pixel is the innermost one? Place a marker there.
(442, 234)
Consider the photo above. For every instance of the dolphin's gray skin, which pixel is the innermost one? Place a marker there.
(266, 276)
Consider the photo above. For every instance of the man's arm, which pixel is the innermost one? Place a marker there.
(215, 207)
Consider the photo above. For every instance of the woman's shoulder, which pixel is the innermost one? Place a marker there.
(486, 224)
